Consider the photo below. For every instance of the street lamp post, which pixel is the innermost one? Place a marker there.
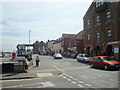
(29, 39)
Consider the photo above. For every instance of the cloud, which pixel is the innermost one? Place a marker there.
(45, 20)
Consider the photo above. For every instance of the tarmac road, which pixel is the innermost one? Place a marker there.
(61, 73)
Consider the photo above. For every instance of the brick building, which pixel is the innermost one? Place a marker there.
(57, 46)
(49, 46)
(102, 29)
(80, 42)
(76, 44)
(65, 44)
(38, 47)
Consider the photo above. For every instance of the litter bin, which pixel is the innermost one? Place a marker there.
(7, 67)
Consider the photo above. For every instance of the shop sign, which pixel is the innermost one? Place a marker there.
(116, 50)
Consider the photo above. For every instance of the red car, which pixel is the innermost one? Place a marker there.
(104, 62)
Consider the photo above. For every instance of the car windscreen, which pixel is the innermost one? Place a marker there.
(107, 59)
(57, 54)
(87, 56)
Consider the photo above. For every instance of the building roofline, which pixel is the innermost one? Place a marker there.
(89, 9)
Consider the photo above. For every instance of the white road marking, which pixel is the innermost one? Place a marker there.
(60, 75)
(80, 86)
(81, 81)
(72, 78)
(47, 84)
(67, 75)
(68, 79)
(93, 87)
(58, 68)
(45, 74)
(43, 84)
(73, 82)
(88, 85)
(64, 77)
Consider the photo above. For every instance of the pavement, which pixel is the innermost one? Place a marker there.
(33, 72)
(42, 75)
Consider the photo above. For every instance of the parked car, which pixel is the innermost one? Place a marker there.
(74, 55)
(7, 55)
(19, 59)
(83, 57)
(57, 56)
(104, 62)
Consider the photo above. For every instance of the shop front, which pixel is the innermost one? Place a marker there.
(115, 49)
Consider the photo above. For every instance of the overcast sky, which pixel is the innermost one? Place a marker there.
(46, 20)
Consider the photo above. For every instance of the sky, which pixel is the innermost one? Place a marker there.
(46, 20)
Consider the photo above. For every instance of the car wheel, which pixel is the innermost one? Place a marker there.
(77, 60)
(106, 67)
(84, 61)
(91, 65)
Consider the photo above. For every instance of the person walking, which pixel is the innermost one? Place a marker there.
(37, 61)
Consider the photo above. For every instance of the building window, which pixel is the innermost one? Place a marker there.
(98, 35)
(88, 37)
(109, 32)
(99, 3)
(97, 18)
(88, 21)
(108, 14)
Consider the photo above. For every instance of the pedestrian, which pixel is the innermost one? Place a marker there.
(37, 61)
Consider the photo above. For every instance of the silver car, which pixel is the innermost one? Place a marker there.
(83, 57)
(57, 56)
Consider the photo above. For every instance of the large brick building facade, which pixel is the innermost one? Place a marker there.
(102, 29)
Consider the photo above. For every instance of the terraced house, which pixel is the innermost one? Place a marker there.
(102, 29)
